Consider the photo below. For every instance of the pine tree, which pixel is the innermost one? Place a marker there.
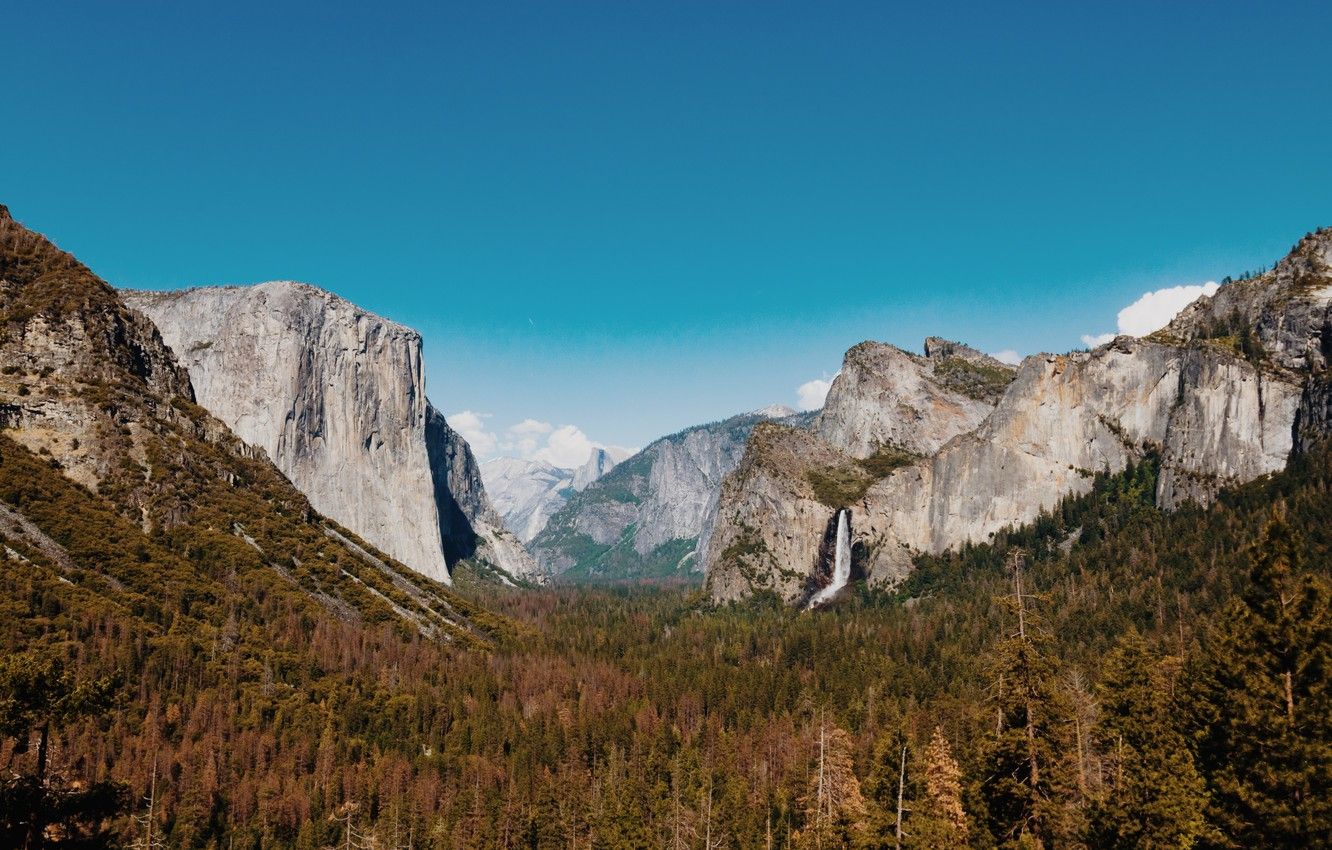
(1154, 796)
(37, 695)
(937, 820)
(1029, 787)
(1265, 704)
(834, 805)
(882, 790)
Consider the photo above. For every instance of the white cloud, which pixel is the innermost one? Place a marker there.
(619, 454)
(811, 394)
(472, 426)
(1097, 340)
(531, 426)
(566, 447)
(531, 439)
(1153, 311)
(1008, 355)
(524, 439)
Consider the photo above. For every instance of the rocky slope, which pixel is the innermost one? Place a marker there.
(1223, 395)
(335, 396)
(527, 493)
(114, 482)
(644, 517)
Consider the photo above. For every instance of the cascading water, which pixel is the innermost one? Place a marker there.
(841, 563)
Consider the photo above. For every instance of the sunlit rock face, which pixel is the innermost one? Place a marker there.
(1224, 394)
(336, 397)
(886, 404)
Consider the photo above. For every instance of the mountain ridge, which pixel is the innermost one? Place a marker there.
(643, 519)
(1220, 400)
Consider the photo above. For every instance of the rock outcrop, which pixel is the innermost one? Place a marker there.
(1223, 395)
(644, 517)
(119, 483)
(885, 396)
(335, 396)
(598, 463)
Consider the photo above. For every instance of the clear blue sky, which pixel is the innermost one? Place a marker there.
(637, 216)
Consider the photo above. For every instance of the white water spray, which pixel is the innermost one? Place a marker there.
(841, 563)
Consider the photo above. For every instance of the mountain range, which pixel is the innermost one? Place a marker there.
(1068, 603)
(643, 519)
(928, 454)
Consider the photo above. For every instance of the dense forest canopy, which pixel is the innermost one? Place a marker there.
(1109, 676)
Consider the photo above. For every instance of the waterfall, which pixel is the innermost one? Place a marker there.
(841, 562)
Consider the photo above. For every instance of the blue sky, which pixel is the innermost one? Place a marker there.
(632, 217)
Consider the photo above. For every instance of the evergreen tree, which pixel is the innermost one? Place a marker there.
(1154, 796)
(39, 809)
(883, 791)
(1028, 790)
(1265, 704)
(834, 805)
(937, 820)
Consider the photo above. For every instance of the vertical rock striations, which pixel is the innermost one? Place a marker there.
(335, 396)
(1224, 394)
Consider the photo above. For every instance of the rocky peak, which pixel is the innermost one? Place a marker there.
(1281, 319)
(885, 397)
(73, 352)
(776, 411)
(598, 463)
(939, 349)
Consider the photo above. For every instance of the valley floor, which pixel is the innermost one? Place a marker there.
(1138, 701)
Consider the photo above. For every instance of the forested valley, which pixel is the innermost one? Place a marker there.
(1110, 676)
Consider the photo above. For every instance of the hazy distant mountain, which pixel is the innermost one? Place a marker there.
(527, 493)
(643, 518)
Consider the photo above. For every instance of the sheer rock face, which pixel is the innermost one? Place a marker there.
(335, 396)
(1224, 394)
(771, 520)
(1215, 420)
(1289, 310)
(769, 523)
(598, 464)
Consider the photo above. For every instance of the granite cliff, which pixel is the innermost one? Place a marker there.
(1223, 395)
(335, 396)
(116, 484)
